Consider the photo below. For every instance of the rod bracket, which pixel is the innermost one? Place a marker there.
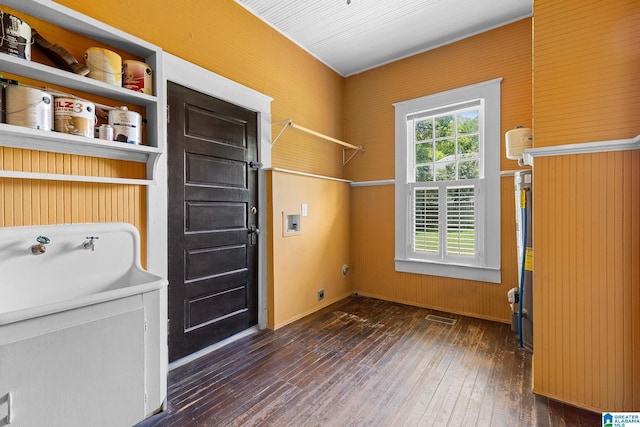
(346, 159)
(287, 123)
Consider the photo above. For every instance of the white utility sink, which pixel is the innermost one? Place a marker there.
(82, 327)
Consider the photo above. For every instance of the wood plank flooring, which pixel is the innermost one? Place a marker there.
(366, 362)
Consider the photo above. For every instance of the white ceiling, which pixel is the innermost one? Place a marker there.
(364, 34)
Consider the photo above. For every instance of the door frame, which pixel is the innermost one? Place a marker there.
(202, 80)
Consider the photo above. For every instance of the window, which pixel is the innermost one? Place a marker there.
(444, 153)
(448, 183)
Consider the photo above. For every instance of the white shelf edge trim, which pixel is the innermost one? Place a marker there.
(74, 178)
(582, 148)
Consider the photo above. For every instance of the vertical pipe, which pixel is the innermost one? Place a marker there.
(523, 206)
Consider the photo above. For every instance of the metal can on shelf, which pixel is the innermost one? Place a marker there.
(127, 125)
(28, 107)
(138, 76)
(104, 65)
(15, 37)
(74, 116)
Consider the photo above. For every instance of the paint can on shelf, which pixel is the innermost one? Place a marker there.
(138, 76)
(4, 83)
(74, 116)
(104, 65)
(127, 125)
(16, 36)
(28, 107)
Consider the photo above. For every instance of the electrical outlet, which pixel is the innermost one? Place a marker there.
(320, 294)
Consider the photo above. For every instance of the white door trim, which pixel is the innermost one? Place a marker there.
(202, 80)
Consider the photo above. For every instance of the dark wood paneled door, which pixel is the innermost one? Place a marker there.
(213, 219)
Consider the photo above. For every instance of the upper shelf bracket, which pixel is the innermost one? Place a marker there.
(288, 123)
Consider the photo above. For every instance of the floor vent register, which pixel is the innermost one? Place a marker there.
(440, 319)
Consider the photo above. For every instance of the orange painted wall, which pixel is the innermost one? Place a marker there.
(587, 279)
(36, 202)
(586, 207)
(369, 121)
(312, 259)
(586, 59)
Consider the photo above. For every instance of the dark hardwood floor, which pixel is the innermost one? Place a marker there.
(366, 362)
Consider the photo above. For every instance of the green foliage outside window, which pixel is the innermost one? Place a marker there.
(447, 147)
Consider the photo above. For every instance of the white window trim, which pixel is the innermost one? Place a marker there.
(489, 91)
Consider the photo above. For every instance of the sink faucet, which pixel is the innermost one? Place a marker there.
(41, 247)
(90, 244)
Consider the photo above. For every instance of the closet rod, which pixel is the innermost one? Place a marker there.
(289, 124)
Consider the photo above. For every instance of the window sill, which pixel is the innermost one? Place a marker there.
(457, 271)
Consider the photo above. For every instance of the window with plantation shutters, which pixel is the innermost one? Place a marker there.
(447, 183)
